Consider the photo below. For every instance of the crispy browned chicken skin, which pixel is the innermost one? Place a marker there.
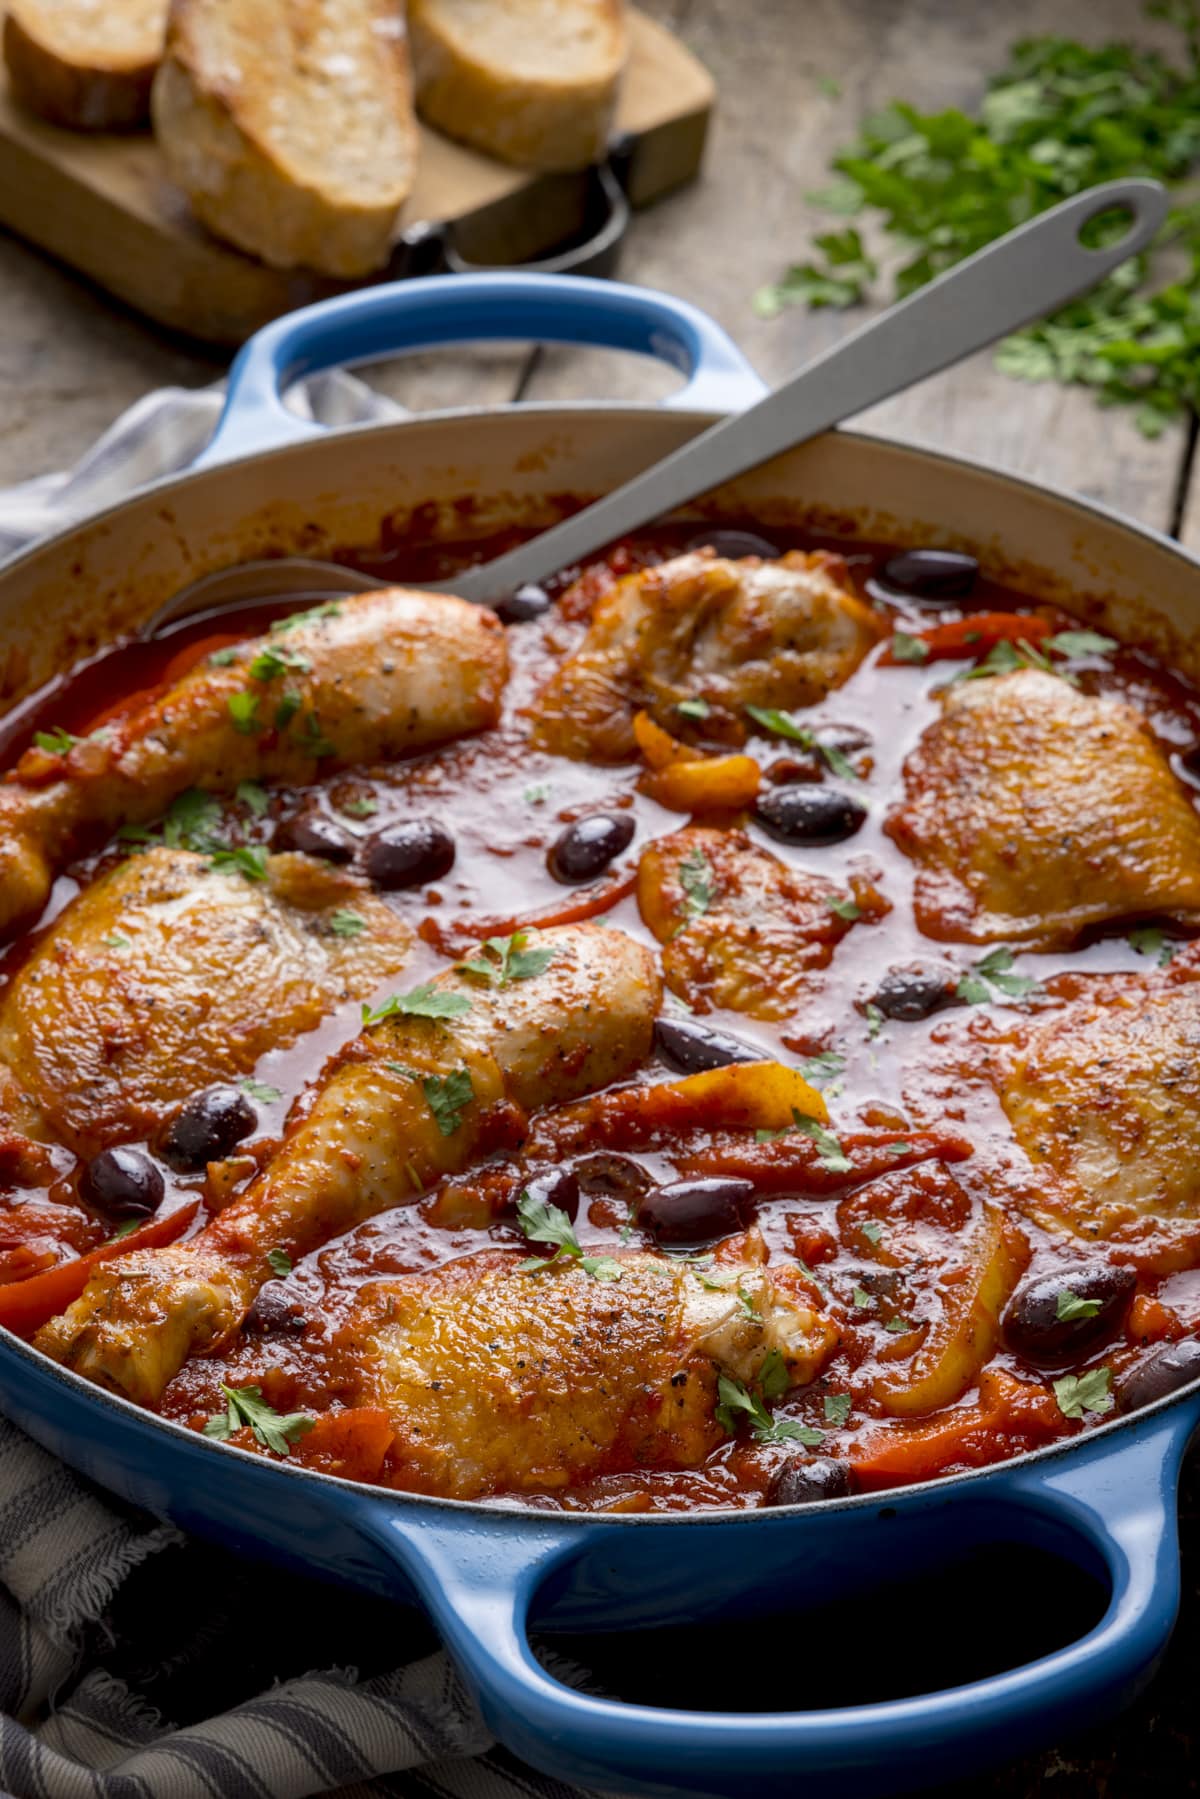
(359, 680)
(498, 1380)
(168, 974)
(732, 633)
(1034, 810)
(382, 1127)
(763, 930)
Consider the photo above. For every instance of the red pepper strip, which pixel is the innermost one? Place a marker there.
(1011, 1417)
(975, 635)
(26, 1305)
(463, 934)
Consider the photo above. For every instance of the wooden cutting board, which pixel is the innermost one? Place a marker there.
(103, 203)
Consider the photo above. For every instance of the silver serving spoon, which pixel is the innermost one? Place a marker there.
(1021, 277)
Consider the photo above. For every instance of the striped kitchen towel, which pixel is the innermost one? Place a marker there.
(135, 1664)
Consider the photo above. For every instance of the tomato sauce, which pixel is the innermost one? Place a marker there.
(506, 804)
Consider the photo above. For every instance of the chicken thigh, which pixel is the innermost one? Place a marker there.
(449, 1069)
(360, 679)
(739, 928)
(1034, 810)
(168, 974)
(1103, 1095)
(499, 1380)
(703, 628)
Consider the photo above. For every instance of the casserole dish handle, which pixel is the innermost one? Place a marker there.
(409, 315)
(1108, 1506)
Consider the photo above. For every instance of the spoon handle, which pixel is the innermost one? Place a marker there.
(1024, 275)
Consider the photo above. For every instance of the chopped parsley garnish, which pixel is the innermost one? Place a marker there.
(697, 708)
(735, 1399)
(897, 1325)
(1005, 658)
(313, 741)
(992, 972)
(256, 799)
(347, 924)
(359, 805)
(829, 1150)
(908, 649)
(826, 1066)
(696, 879)
(1079, 643)
(537, 794)
(837, 1407)
(773, 1375)
(116, 941)
(1152, 940)
(782, 724)
(271, 661)
(544, 1223)
(243, 710)
(1069, 1307)
(280, 1262)
(449, 1096)
(874, 1020)
(844, 908)
(329, 609)
(861, 1298)
(243, 859)
(427, 1001)
(262, 1091)
(872, 1230)
(1080, 1393)
(225, 658)
(191, 821)
(55, 742)
(246, 1405)
(286, 710)
(507, 959)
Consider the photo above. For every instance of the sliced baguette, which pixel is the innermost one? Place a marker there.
(289, 125)
(533, 82)
(87, 64)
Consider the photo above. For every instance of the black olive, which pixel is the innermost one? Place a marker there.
(1189, 764)
(123, 1183)
(692, 1047)
(555, 1187)
(529, 602)
(695, 1212)
(734, 544)
(308, 830)
(618, 1177)
(585, 849)
(208, 1127)
(915, 992)
(274, 1313)
(409, 854)
(1033, 1325)
(804, 813)
(805, 1480)
(941, 576)
(1173, 1366)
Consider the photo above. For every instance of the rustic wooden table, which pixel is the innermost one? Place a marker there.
(70, 361)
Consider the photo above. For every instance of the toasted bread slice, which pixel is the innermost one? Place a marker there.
(87, 64)
(530, 81)
(289, 125)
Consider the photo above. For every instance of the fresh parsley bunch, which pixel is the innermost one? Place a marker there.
(1060, 118)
